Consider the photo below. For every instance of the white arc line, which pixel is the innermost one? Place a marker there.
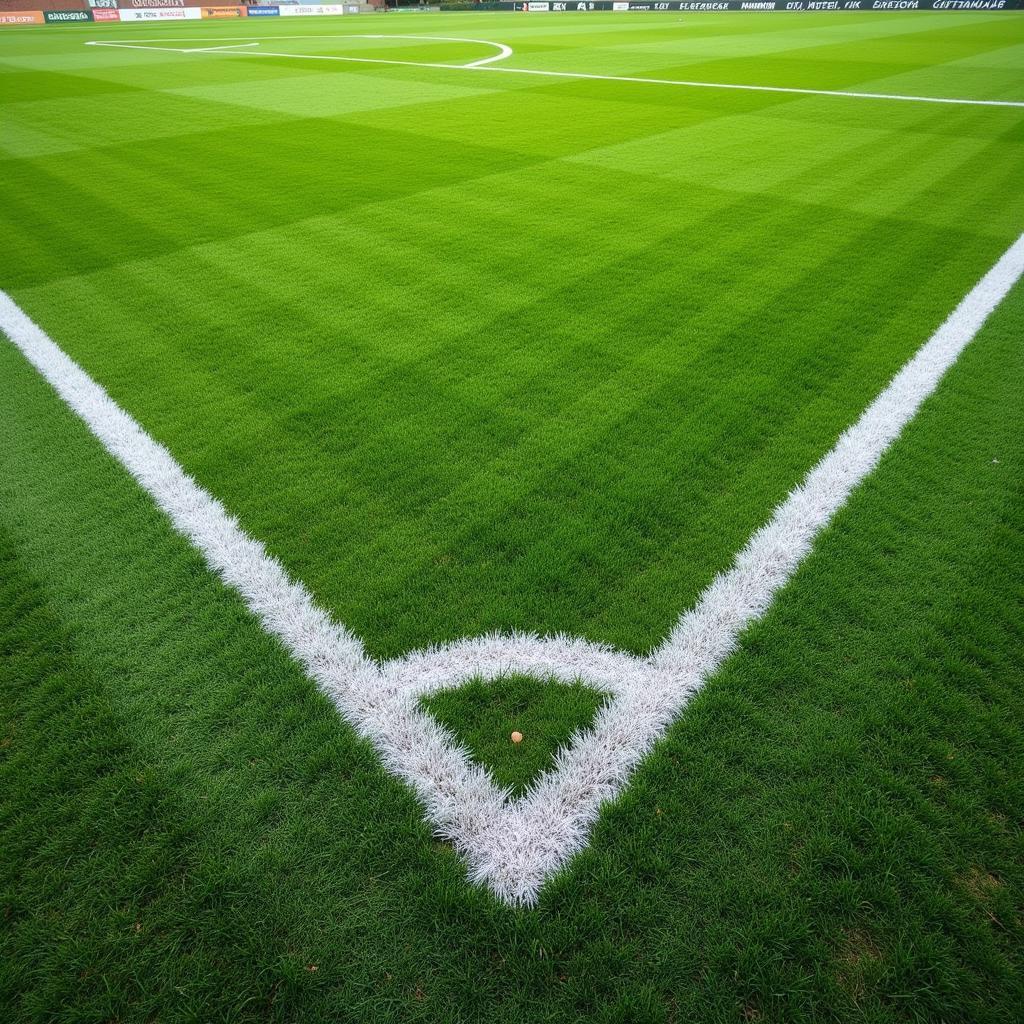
(514, 845)
(485, 65)
(503, 51)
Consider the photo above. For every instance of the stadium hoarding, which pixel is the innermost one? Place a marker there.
(21, 17)
(707, 6)
(162, 14)
(307, 10)
(169, 10)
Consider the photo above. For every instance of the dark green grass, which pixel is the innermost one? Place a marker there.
(485, 714)
(832, 830)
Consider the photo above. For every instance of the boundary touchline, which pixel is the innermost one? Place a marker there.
(488, 65)
(513, 845)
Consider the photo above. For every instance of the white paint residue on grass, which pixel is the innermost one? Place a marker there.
(513, 845)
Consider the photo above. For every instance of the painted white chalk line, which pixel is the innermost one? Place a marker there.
(513, 845)
(488, 65)
(503, 50)
(218, 49)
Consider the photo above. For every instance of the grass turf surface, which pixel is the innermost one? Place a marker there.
(545, 713)
(474, 351)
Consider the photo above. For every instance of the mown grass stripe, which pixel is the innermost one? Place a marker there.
(792, 90)
(515, 845)
(844, 783)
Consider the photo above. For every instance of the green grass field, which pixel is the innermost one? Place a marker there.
(472, 351)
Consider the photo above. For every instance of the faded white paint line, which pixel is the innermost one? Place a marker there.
(513, 845)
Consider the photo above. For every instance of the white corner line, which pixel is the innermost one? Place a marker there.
(487, 65)
(514, 845)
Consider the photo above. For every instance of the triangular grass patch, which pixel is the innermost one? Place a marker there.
(484, 714)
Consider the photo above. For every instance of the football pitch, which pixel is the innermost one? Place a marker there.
(513, 517)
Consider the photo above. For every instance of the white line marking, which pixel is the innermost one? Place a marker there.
(486, 66)
(503, 51)
(165, 49)
(219, 49)
(767, 88)
(514, 845)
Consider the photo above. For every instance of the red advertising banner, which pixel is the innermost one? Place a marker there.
(105, 14)
(21, 17)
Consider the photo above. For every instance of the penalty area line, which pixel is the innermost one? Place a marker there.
(585, 76)
(173, 49)
(847, 94)
(504, 52)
